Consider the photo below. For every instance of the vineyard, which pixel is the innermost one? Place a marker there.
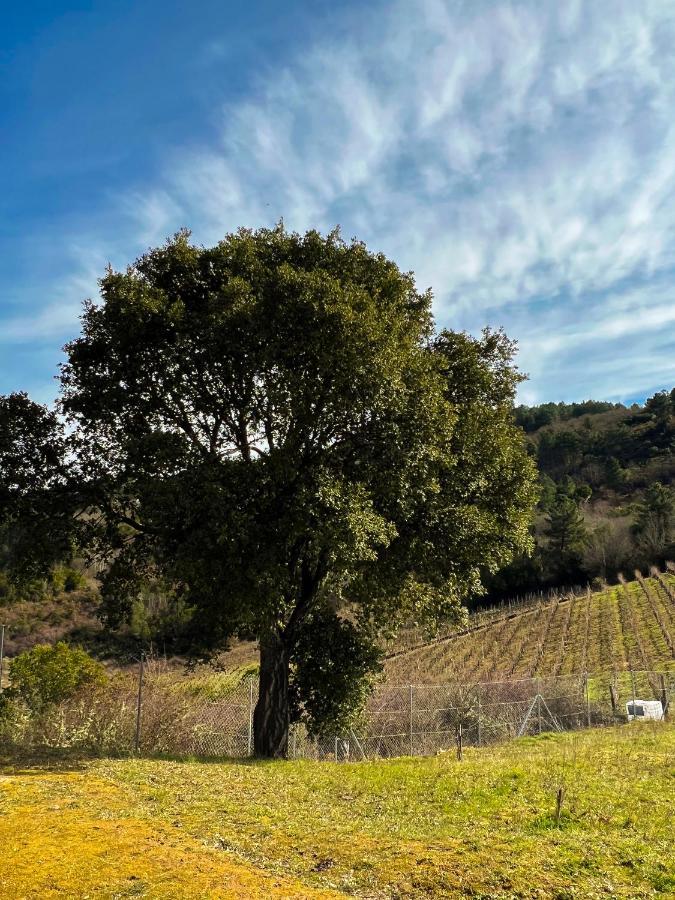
(630, 627)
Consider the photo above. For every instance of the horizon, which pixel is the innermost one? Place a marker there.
(518, 159)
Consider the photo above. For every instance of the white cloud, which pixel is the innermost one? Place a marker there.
(519, 156)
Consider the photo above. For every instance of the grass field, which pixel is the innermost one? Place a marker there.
(627, 627)
(484, 827)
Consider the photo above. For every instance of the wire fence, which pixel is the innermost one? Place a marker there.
(161, 715)
(156, 711)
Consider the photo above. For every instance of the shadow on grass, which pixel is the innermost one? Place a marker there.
(34, 760)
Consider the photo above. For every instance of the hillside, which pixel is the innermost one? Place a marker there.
(627, 627)
(417, 828)
(607, 504)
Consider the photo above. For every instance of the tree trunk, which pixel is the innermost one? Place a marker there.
(271, 718)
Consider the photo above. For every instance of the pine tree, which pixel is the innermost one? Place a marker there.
(566, 531)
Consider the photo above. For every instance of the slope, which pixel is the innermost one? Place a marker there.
(627, 627)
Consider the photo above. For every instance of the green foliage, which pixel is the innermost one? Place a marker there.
(331, 674)
(159, 614)
(660, 407)
(37, 503)
(655, 517)
(271, 425)
(606, 460)
(566, 531)
(615, 474)
(48, 674)
(6, 708)
(531, 418)
(67, 579)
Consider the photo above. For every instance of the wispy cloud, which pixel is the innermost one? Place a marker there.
(519, 156)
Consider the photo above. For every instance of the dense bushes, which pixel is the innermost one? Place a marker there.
(47, 674)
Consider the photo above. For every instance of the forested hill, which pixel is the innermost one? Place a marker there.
(607, 504)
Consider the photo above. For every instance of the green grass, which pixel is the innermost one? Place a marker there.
(484, 827)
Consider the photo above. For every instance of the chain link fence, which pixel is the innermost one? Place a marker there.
(401, 720)
(158, 712)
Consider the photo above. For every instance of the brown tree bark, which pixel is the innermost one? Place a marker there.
(271, 718)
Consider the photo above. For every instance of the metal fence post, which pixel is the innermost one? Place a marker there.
(2, 652)
(250, 716)
(139, 705)
(478, 723)
(588, 700)
(411, 720)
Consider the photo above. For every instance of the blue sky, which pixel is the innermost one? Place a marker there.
(518, 156)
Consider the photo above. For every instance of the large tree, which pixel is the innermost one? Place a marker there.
(274, 426)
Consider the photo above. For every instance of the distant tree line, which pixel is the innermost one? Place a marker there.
(531, 418)
(607, 502)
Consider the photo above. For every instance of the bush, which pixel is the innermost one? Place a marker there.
(48, 674)
(6, 708)
(65, 578)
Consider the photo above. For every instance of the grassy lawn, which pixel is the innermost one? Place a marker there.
(436, 827)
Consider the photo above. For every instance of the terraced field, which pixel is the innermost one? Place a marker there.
(630, 627)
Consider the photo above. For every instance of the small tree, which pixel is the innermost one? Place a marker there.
(566, 531)
(273, 425)
(615, 474)
(653, 526)
(660, 407)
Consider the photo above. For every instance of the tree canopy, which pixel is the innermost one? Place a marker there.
(36, 503)
(273, 426)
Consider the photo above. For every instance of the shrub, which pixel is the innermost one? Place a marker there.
(48, 674)
(65, 578)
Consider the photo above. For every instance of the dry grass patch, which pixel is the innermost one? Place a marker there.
(67, 834)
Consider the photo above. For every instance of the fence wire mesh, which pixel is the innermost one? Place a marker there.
(415, 720)
(170, 716)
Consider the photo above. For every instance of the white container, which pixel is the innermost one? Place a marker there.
(644, 709)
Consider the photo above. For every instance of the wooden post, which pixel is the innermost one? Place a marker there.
(665, 700)
(459, 742)
(558, 804)
(632, 681)
(478, 721)
(139, 705)
(2, 652)
(588, 700)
